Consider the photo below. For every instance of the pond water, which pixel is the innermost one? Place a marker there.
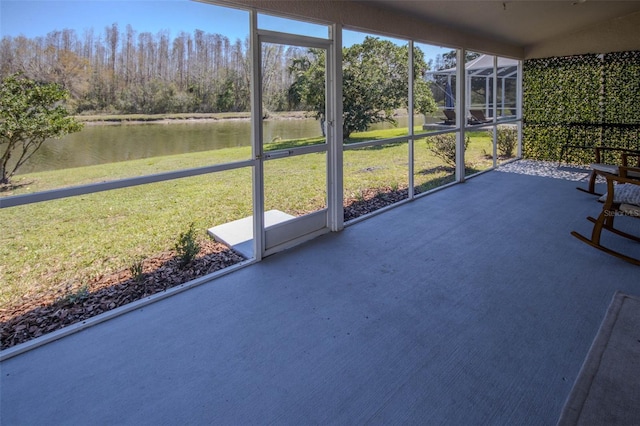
(101, 144)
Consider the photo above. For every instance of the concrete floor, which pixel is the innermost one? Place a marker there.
(473, 305)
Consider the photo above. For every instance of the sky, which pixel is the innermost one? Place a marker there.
(33, 18)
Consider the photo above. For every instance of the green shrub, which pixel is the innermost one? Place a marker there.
(444, 147)
(187, 247)
(507, 139)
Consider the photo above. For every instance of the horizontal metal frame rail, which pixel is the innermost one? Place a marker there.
(54, 194)
(415, 136)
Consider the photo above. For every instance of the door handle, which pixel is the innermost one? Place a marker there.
(277, 154)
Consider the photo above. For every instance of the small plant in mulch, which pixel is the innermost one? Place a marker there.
(191, 259)
(187, 247)
(34, 318)
(77, 296)
(137, 270)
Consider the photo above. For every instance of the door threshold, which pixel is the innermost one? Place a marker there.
(238, 234)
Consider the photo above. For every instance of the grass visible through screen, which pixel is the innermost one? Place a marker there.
(57, 244)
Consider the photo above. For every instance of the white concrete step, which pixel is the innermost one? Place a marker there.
(238, 234)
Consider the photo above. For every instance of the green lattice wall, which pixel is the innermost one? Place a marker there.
(580, 101)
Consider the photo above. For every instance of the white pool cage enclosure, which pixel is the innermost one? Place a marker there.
(479, 85)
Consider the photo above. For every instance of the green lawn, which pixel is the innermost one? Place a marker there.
(58, 245)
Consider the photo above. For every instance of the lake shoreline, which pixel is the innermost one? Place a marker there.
(180, 118)
(135, 119)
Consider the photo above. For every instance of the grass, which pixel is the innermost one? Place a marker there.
(61, 244)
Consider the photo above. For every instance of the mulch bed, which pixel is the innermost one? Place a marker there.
(371, 200)
(46, 313)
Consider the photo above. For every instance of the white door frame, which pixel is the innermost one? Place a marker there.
(295, 231)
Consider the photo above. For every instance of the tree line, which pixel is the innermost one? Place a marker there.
(129, 72)
(201, 73)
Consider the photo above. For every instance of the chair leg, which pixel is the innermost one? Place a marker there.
(591, 188)
(597, 227)
(609, 227)
(606, 249)
(605, 221)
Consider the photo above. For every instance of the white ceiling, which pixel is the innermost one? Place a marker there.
(518, 22)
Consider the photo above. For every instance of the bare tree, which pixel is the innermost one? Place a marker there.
(143, 72)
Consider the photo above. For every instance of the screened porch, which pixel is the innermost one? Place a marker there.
(471, 306)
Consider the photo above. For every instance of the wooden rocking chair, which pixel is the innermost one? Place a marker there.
(623, 199)
(600, 168)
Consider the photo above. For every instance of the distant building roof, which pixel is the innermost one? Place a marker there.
(483, 66)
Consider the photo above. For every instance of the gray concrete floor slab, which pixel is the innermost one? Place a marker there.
(473, 305)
